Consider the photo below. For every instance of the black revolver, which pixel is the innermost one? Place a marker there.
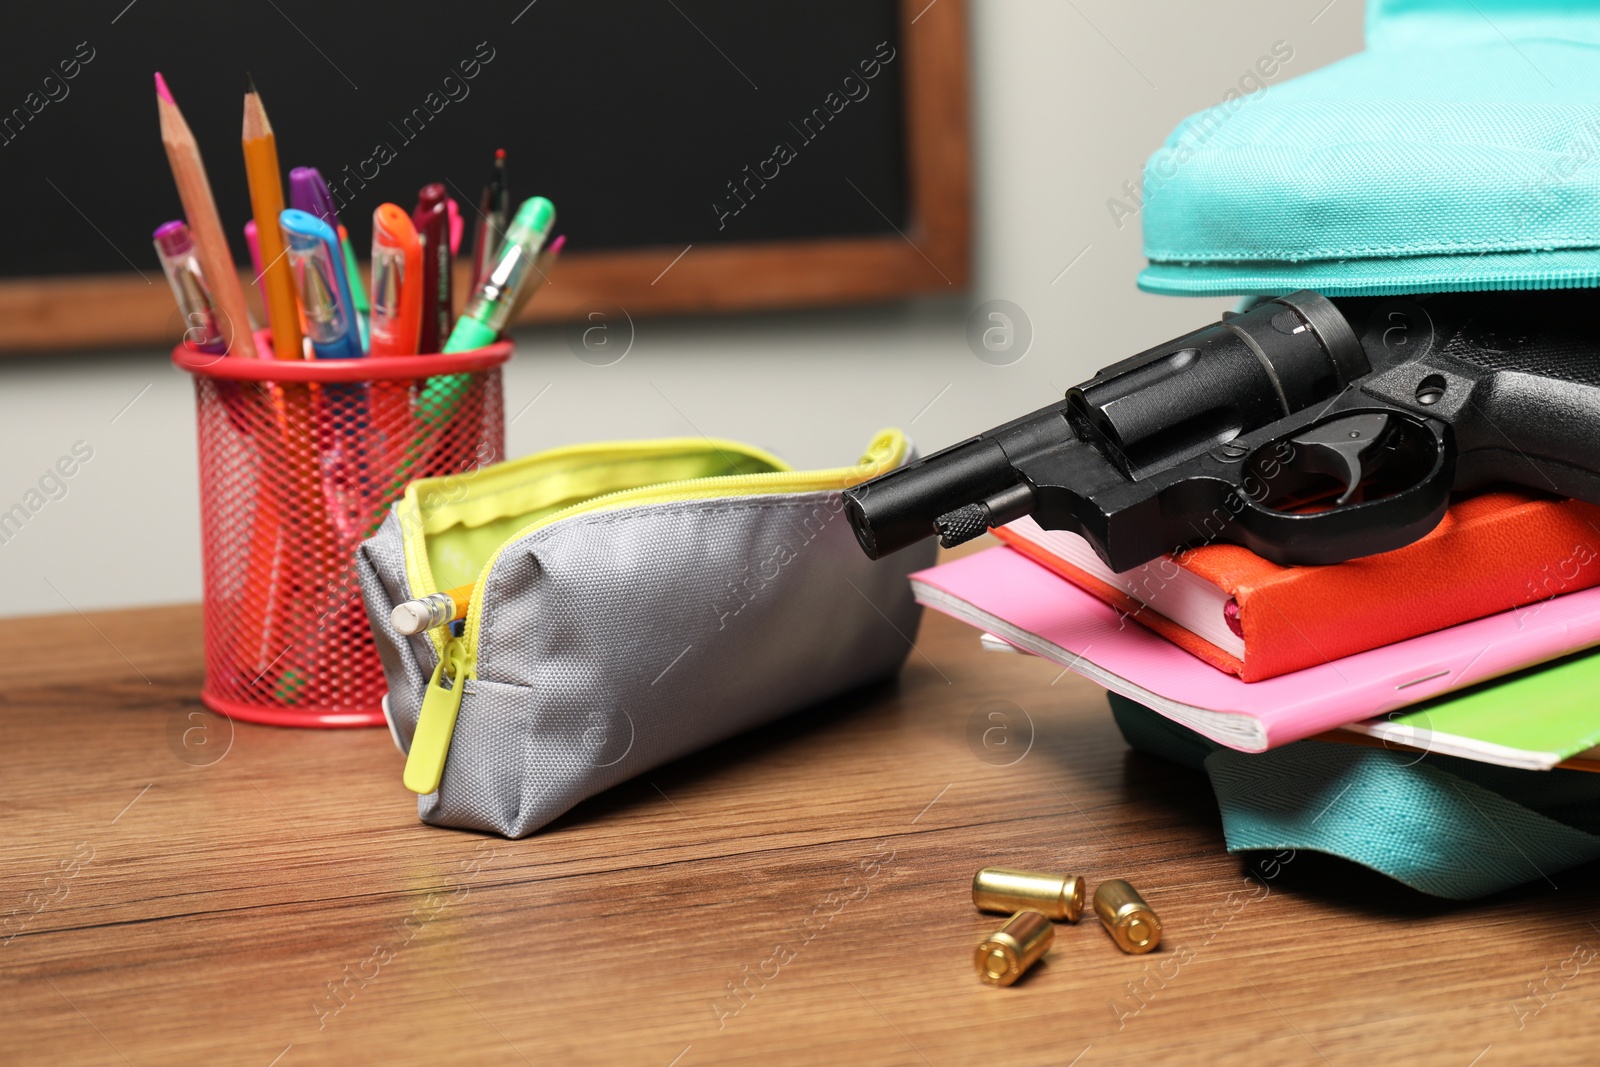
(1308, 430)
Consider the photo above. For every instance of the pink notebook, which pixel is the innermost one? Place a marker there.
(1016, 599)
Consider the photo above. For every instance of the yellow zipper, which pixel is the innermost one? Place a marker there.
(436, 722)
(430, 744)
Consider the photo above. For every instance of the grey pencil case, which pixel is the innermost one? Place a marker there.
(632, 602)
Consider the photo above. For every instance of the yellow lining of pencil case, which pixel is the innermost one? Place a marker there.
(503, 503)
(469, 515)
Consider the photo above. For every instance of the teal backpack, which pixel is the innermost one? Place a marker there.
(1460, 151)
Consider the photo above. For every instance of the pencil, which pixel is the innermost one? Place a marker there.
(211, 246)
(412, 617)
(277, 535)
(266, 202)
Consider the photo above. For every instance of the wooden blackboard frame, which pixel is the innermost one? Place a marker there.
(933, 255)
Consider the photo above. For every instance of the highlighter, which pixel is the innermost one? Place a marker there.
(396, 282)
(324, 288)
(491, 306)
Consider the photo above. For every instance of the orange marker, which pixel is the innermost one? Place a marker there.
(396, 282)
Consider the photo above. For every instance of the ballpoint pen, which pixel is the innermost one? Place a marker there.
(256, 631)
(490, 307)
(323, 286)
(396, 282)
(308, 192)
(396, 324)
(494, 214)
(340, 420)
(175, 247)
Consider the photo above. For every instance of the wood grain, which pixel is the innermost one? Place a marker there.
(933, 255)
(211, 901)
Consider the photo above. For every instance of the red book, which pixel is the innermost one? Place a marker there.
(1493, 552)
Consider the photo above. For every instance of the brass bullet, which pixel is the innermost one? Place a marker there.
(1004, 955)
(1000, 889)
(1126, 917)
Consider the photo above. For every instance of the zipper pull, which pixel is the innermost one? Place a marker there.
(436, 724)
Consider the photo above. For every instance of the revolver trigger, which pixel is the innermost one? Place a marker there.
(1336, 447)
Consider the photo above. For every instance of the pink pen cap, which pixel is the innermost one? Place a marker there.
(254, 244)
(457, 226)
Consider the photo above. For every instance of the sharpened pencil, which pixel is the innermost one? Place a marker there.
(210, 243)
(266, 203)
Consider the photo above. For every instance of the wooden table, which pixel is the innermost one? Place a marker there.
(267, 896)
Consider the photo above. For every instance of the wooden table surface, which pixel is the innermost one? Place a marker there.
(178, 891)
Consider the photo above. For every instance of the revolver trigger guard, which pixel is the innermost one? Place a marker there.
(1293, 538)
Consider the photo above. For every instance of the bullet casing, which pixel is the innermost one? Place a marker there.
(1007, 891)
(1005, 955)
(1126, 917)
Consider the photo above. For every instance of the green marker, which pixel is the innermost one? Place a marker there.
(486, 315)
(491, 307)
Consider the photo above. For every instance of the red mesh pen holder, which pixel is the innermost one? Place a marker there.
(299, 462)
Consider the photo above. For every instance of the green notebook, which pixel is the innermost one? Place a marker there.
(1532, 719)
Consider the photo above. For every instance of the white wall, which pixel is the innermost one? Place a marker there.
(1069, 99)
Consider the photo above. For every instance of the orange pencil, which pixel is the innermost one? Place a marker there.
(266, 203)
(211, 246)
(269, 579)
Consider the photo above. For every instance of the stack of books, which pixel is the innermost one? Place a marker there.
(1477, 641)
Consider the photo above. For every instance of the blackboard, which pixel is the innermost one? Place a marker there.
(809, 153)
(633, 117)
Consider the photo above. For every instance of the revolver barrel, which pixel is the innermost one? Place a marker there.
(899, 508)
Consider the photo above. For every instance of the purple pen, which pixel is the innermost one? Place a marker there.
(309, 193)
